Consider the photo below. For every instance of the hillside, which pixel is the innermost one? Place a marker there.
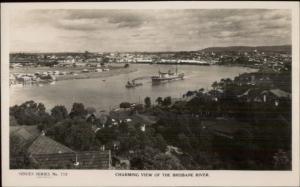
(280, 48)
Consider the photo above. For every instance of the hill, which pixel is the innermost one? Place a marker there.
(279, 48)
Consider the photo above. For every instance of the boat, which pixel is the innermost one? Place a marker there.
(132, 84)
(167, 76)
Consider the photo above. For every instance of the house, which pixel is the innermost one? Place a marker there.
(98, 119)
(46, 153)
(45, 145)
(76, 160)
(116, 144)
(26, 133)
(251, 95)
(274, 96)
(146, 119)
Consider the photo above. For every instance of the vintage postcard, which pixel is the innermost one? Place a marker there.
(150, 94)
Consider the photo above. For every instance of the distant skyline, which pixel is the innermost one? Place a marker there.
(146, 30)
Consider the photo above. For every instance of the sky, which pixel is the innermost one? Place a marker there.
(115, 30)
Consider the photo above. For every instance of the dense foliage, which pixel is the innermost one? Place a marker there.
(217, 129)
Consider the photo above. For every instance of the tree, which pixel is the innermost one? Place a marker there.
(105, 135)
(13, 121)
(201, 90)
(17, 153)
(159, 100)
(103, 119)
(150, 158)
(163, 161)
(30, 113)
(214, 85)
(125, 105)
(86, 55)
(59, 113)
(16, 147)
(75, 133)
(147, 102)
(189, 94)
(41, 108)
(80, 137)
(160, 142)
(78, 110)
(184, 142)
(167, 101)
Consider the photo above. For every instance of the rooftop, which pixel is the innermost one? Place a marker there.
(24, 132)
(85, 160)
(280, 93)
(45, 145)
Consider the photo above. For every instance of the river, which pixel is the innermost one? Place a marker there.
(108, 92)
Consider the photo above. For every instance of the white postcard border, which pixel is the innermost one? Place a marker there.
(108, 177)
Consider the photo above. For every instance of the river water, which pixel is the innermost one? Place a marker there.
(109, 92)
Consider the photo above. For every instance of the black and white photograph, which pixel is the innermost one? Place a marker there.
(150, 89)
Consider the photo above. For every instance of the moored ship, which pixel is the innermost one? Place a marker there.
(167, 76)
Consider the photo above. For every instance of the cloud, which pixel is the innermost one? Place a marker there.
(120, 18)
(81, 25)
(148, 30)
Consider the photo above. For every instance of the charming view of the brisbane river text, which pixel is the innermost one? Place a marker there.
(188, 89)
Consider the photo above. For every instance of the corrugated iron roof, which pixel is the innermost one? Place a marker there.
(45, 145)
(144, 119)
(25, 133)
(280, 93)
(86, 160)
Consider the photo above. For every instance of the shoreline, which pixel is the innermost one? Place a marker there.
(92, 75)
(88, 75)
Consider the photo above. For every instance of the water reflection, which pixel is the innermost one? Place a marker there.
(109, 92)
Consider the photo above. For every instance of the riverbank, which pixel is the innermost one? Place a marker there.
(91, 75)
(70, 73)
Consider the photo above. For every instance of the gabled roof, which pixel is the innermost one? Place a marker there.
(45, 145)
(94, 159)
(24, 132)
(280, 93)
(86, 160)
(148, 120)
